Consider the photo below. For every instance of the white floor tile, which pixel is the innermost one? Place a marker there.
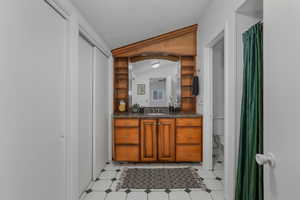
(217, 195)
(102, 185)
(179, 196)
(136, 190)
(196, 165)
(108, 175)
(118, 175)
(149, 165)
(95, 196)
(206, 174)
(200, 167)
(219, 173)
(158, 196)
(218, 166)
(174, 166)
(116, 196)
(200, 195)
(111, 167)
(213, 184)
(137, 196)
(113, 186)
(158, 190)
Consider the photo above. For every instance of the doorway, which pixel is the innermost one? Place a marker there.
(224, 170)
(218, 106)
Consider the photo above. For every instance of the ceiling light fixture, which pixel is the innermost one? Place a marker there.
(155, 64)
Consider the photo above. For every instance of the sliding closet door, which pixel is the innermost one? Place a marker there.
(85, 114)
(32, 103)
(100, 111)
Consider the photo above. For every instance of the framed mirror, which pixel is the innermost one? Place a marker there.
(154, 82)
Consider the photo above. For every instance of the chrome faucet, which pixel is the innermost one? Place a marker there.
(155, 110)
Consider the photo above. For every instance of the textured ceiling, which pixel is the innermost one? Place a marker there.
(121, 22)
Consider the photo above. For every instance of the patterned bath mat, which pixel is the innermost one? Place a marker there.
(160, 178)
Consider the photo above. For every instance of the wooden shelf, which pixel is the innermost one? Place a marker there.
(120, 98)
(188, 101)
(188, 97)
(121, 67)
(121, 73)
(188, 61)
(121, 77)
(187, 73)
(120, 81)
(187, 66)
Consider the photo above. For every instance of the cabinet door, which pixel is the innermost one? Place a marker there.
(148, 140)
(166, 140)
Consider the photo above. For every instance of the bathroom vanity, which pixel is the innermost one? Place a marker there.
(158, 138)
(156, 74)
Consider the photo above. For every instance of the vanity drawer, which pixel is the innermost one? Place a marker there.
(127, 135)
(188, 153)
(188, 135)
(129, 153)
(126, 123)
(189, 122)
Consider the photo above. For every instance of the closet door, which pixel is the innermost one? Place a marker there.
(85, 114)
(100, 111)
(32, 103)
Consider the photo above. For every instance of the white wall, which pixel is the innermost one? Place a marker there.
(218, 88)
(220, 16)
(282, 97)
(32, 103)
(100, 116)
(85, 114)
(34, 120)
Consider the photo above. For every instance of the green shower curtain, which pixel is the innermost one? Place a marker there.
(249, 183)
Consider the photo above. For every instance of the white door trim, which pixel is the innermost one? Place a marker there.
(208, 99)
(229, 110)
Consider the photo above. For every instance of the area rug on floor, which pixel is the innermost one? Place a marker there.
(160, 178)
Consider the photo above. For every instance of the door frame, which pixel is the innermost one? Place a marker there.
(83, 36)
(229, 108)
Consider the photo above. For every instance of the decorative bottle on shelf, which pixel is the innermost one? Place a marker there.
(171, 105)
(122, 106)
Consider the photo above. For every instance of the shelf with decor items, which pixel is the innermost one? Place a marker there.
(120, 82)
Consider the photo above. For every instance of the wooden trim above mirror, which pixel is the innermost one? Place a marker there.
(181, 42)
(141, 58)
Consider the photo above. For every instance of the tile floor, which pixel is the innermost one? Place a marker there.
(104, 187)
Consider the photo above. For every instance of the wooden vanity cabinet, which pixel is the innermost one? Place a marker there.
(148, 140)
(154, 140)
(189, 145)
(166, 139)
(127, 140)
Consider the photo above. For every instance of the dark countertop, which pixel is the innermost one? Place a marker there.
(154, 115)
